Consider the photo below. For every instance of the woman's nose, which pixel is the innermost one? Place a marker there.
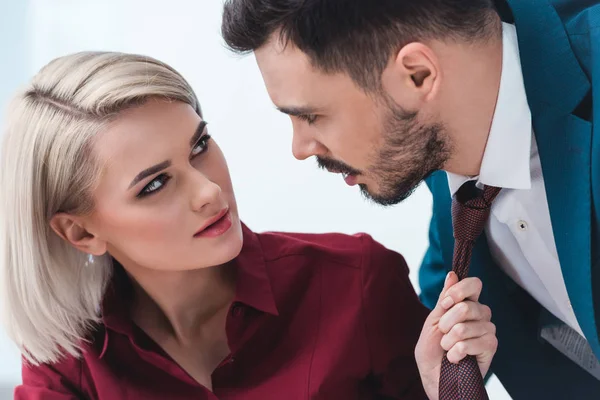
(203, 192)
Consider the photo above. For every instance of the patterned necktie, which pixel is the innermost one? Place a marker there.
(470, 211)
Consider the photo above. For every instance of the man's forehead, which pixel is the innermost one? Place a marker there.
(277, 56)
(292, 81)
(286, 72)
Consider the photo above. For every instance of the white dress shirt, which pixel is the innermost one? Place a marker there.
(519, 230)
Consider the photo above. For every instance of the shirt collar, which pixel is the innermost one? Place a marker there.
(506, 160)
(253, 288)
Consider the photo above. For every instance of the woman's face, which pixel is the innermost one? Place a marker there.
(164, 200)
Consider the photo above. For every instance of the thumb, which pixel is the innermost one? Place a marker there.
(440, 310)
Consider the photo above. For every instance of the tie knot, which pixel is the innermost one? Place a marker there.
(471, 209)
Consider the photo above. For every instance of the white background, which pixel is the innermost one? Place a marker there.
(274, 191)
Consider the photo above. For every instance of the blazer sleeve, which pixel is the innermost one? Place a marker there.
(437, 263)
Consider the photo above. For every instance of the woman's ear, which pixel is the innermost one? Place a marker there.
(70, 228)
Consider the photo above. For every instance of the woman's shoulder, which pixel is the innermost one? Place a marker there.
(67, 375)
(286, 244)
(351, 271)
(357, 251)
(63, 376)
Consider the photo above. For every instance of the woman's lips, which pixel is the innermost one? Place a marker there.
(217, 227)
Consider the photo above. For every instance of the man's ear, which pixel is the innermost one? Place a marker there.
(70, 228)
(413, 76)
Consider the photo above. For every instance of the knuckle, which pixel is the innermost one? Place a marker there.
(459, 331)
(487, 312)
(455, 293)
(459, 291)
(461, 348)
(493, 342)
(477, 284)
(462, 309)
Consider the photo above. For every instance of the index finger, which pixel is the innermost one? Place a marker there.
(467, 289)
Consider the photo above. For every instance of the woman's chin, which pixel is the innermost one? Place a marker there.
(225, 248)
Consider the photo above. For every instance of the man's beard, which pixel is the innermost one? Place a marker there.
(411, 151)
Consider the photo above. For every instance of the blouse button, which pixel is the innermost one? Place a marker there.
(237, 310)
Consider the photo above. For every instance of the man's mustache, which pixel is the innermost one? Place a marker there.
(336, 166)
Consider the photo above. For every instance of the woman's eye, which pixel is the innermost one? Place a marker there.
(160, 181)
(156, 185)
(201, 145)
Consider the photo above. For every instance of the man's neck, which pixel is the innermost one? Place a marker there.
(473, 95)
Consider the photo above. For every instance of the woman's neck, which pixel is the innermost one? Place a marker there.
(186, 305)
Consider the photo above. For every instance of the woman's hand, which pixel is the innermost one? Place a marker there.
(458, 324)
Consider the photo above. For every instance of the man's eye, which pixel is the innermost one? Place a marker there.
(201, 145)
(309, 118)
(155, 186)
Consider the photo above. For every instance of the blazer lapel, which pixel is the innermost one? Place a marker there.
(556, 85)
(565, 150)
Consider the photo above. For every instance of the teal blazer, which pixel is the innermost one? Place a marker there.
(559, 43)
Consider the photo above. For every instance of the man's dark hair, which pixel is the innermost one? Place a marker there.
(355, 36)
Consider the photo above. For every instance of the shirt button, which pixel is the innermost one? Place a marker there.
(522, 225)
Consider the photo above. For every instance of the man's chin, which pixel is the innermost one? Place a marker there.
(390, 198)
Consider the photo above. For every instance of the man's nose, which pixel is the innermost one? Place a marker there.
(305, 146)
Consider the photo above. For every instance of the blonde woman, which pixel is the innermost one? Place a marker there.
(127, 274)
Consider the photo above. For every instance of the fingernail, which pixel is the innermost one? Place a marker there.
(448, 276)
(447, 303)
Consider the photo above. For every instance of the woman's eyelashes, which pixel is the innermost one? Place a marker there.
(201, 145)
(154, 186)
(158, 183)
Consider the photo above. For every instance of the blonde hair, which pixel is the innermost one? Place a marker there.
(51, 294)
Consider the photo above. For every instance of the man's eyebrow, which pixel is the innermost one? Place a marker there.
(296, 111)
